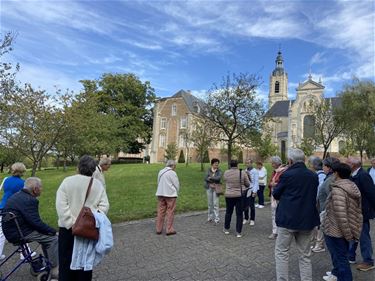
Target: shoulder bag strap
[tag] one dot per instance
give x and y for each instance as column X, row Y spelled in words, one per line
column 88, row 190
column 241, row 181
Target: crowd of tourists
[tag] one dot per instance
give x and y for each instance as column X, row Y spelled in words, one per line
column 326, row 204
column 71, row 257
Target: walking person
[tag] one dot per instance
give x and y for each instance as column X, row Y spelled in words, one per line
column 167, row 192
column 249, row 199
column 103, row 166
column 70, row 198
column 213, row 176
column 262, row 179
column 342, row 222
column 366, row 186
column 278, row 170
column 296, row 215
column 236, row 182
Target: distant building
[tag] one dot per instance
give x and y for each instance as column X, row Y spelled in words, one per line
column 291, row 121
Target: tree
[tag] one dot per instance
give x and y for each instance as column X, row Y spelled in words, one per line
column 233, row 108
column 263, row 145
column 308, row 147
column 129, row 100
column 328, row 125
column 7, row 71
column 358, row 112
column 203, row 137
column 171, row 151
column 181, row 158
column 348, row 148
column 33, row 123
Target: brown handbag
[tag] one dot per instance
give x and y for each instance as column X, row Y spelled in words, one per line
column 218, row 187
column 85, row 225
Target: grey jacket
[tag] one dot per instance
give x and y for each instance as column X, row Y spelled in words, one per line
column 212, row 177
column 324, row 191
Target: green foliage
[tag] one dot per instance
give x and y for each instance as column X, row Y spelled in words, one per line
column 358, row 113
column 181, row 158
column 234, row 109
column 206, row 158
column 263, row 146
column 240, row 157
column 348, row 148
column 171, row 151
column 307, row 146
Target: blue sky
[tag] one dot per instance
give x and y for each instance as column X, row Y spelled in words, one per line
column 190, row 44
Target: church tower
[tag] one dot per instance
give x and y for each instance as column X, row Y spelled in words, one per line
column 278, row 82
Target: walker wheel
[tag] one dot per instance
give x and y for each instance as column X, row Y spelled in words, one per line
column 44, row 276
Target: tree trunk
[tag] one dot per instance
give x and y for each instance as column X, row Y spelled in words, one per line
column 2, row 167
column 325, row 152
column 64, row 163
column 35, row 166
column 361, row 154
column 40, row 165
column 229, row 152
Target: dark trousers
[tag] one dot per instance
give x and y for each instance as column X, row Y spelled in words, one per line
column 231, row 203
column 249, row 205
column 66, row 242
column 260, row 193
column 364, row 243
column 338, row 248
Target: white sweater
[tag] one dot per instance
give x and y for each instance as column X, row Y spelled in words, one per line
column 71, row 195
column 168, row 184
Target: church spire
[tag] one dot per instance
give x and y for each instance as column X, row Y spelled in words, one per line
column 279, row 68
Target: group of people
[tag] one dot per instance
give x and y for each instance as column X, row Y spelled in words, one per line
column 71, row 258
column 327, row 204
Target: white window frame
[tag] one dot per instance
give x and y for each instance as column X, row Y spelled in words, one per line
column 163, row 123
column 174, row 109
column 162, row 140
column 183, row 122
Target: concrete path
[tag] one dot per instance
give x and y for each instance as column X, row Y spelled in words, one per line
column 199, row 251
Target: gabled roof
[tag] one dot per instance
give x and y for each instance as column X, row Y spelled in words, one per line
column 310, row 84
column 281, row 108
column 190, row 100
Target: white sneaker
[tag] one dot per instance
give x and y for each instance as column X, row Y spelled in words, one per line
column 256, row 205
column 318, row 249
column 328, row 273
column 244, row 222
column 238, row 235
column 261, row 206
column 252, row 223
column 33, row 254
column 226, row 231
column 2, row 257
column 330, row 278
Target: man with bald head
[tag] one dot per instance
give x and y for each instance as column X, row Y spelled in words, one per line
column 365, row 184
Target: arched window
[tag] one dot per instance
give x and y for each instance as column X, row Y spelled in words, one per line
column 277, row 87
column 308, row 126
column 342, row 145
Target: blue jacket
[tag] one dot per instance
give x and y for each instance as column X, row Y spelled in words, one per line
column 365, row 184
column 89, row 253
column 296, row 192
column 26, row 208
column 11, row 185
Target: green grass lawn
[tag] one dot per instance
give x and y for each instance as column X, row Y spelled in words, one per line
column 131, row 190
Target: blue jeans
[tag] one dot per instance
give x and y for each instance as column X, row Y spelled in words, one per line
column 364, row 243
column 338, row 248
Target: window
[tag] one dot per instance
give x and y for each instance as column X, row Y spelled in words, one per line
column 163, row 123
column 277, row 87
column 308, row 126
column 174, row 110
column 182, row 141
column 183, row 122
column 162, row 141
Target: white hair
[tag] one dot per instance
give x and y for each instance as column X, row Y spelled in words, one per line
column 170, row 163
column 32, row 182
column 105, row 161
column 296, row 155
column 276, row 159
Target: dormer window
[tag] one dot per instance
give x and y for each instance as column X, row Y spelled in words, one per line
column 277, row 87
column 174, row 110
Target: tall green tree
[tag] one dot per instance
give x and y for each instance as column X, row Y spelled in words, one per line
column 358, row 112
column 234, row 108
column 171, row 151
column 130, row 101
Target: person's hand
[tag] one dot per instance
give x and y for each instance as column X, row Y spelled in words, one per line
column 253, row 194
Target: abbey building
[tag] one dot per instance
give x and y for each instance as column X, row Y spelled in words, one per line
column 290, row 121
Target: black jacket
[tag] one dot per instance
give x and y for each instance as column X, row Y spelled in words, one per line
column 296, row 190
column 25, row 207
column 365, row 184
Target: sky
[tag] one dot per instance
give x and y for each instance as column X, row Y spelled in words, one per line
column 190, row 45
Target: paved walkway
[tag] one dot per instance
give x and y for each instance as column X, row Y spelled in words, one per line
column 199, row 251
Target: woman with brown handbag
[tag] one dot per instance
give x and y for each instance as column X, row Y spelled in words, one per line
column 70, row 198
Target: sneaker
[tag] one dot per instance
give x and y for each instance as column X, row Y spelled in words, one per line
column 272, row 236
column 365, row 266
column 256, row 205
column 238, row 235
column 252, row 223
column 352, row 261
column 330, row 278
column 328, row 273
column 2, row 257
column 318, row 249
column 217, row 222
column 244, row 222
column 226, row 231
column 261, row 206
column 33, row 254
column 209, row 220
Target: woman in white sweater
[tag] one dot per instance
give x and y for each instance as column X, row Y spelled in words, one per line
column 262, row 172
column 70, row 198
